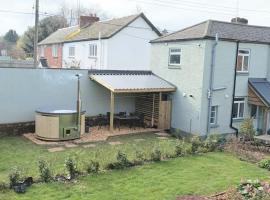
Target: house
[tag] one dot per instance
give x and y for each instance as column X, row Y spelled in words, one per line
column 222, row 73
column 117, row 44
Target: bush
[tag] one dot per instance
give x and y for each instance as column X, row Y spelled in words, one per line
column 265, row 163
column 156, row 155
column 14, row 177
column 122, row 162
column 93, row 167
column 44, row 171
column 3, row 186
column 71, row 167
column 195, row 144
column 253, row 189
column 211, row 142
column 140, row 158
column 247, row 130
column 180, row 149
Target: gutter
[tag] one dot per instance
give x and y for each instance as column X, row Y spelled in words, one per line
column 211, row 80
column 234, row 84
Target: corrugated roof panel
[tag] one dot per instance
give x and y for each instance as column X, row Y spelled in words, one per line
column 262, row 88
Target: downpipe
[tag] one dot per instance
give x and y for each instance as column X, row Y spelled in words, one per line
column 79, row 103
column 211, row 80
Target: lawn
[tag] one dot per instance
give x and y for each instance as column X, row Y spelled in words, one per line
column 201, row 174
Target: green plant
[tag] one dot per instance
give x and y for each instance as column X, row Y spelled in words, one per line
column 156, row 155
column 247, row 130
column 71, row 167
column 3, row 186
column 44, row 171
column 122, row 162
column 180, row 148
column 195, row 143
column 93, row 167
column 265, row 163
column 254, row 190
column 15, row 176
column 140, row 158
column 211, row 142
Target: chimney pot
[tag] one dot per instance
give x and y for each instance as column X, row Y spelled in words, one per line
column 88, row 20
column 239, row 20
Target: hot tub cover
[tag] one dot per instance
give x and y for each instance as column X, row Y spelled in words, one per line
column 57, row 111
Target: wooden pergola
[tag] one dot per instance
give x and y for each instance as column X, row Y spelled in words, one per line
column 133, row 88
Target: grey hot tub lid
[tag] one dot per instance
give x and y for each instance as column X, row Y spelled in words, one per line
column 54, row 111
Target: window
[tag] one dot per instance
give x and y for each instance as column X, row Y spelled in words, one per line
column 92, row 50
column 243, row 60
column 253, row 111
column 71, row 51
column 55, row 50
column 238, row 108
column 213, row 115
column 174, row 56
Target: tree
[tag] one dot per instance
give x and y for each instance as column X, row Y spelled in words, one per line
column 46, row 27
column 11, row 36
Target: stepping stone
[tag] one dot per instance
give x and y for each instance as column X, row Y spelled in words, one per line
column 139, row 140
column 56, row 149
column 162, row 138
column 115, row 143
column 70, row 145
column 89, row 146
column 162, row 134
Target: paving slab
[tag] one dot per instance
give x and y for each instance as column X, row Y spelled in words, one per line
column 89, row 146
column 56, row 149
column 70, row 145
column 115, row 143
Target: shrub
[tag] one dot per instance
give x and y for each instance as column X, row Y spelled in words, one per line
column 14, row 177
column 195, row 144
column 180, row 149
column 93, row 167
column 247, row 129
column 265, row 163
column 121, row 163
column 156, row 155
column 3, row 186
column 253, row 189
column 71, row 167
column 211, row 142
column 44, row 171
column 140, row 158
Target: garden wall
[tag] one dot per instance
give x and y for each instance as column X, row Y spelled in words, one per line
column 23, row 90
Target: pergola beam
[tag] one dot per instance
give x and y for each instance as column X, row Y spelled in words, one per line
column 112, row 111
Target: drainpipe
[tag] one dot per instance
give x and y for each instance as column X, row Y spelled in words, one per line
column 79, row 104
column 211, row 80
column 100, row 51
column 234, row 83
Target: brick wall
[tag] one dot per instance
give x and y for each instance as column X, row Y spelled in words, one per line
column 17, row 128
column 53, row 62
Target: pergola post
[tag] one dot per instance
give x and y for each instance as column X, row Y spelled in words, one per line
column 112, row 111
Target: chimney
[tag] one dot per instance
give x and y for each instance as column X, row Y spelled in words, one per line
column 239, row 20
column 88, row 20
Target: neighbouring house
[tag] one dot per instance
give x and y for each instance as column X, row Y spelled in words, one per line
column 222, row 73
column 117, row 44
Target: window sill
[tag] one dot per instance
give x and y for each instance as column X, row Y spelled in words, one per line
column 238, row 119
column 92, row 57
column 242, row 73
column 174, row 66
column 214, row 125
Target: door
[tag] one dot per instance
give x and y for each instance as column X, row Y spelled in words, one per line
column 165, row 108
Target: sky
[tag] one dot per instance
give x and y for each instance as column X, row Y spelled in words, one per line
column 170, row 14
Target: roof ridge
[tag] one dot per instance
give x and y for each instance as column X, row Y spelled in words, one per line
column 239, row 24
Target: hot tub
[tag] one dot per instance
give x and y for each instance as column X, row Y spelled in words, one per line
column 59, row 124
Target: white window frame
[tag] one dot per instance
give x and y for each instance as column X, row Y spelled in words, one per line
column 69, row 51
column 214, row 110
column 239, row 102
column 54, row 50
column 243, row 58
column 175, row 65
column 92, row 50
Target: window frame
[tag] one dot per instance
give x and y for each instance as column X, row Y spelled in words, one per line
column 71, row 56
column 55, row 51
column 243, row 59
column 174, row 65
column 95, row 49
column 215, row 111
column 239, row 102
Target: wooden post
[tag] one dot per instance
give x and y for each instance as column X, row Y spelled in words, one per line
column 265, row 120
column 112, row 111
column 153, row 111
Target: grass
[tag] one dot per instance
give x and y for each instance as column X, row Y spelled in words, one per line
column 205, row 174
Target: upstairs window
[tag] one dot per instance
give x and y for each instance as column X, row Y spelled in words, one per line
column 71, row 51
column 54, row 50
column 92, row 50
column 174, row 56
column 243, row 60
column 238, row 108
column 213, row 115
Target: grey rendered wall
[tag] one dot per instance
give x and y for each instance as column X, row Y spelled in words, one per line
column 186, row 101
column 22, row 91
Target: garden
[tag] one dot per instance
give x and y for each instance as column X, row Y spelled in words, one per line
column 141, row 166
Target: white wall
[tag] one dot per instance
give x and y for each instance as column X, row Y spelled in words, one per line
column 186, row 110
column 24, row 90
column 129, row 49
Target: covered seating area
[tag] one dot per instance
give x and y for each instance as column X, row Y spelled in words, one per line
column 150, row 94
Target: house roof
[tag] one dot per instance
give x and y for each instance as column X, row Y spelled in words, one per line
column 132, row 82
column 59, row 35
column 225, row 31
column 106, row 29
column 262, row 88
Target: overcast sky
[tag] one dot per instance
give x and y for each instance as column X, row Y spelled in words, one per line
column 170, row 14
